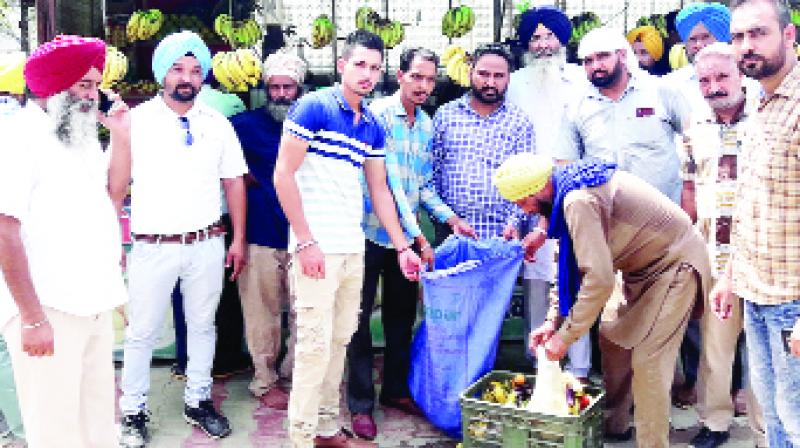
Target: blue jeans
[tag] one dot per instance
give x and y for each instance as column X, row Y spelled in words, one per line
column 774, row 373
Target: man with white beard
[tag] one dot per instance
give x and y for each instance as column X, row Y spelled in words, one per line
column 60, row 246
column 543, row 88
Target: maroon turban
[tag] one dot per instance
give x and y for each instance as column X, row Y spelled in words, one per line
column 56, row 65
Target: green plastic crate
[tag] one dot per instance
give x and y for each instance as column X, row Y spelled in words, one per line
column 492, row 425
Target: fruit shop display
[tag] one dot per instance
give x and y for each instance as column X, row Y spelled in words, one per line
column 582, row 24
column 323, row 31
column 517, row 393
column 391, row 32
column 456, row 62
column 116, row 67
column 143, row 25
column 237, row 70
column 458, row 21
column 238, row 34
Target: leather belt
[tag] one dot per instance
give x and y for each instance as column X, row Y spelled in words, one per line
column 213, row 230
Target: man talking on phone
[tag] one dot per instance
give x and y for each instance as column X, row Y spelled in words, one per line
column 60, row 246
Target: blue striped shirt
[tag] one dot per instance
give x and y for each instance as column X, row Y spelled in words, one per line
column 328, row 178
column 409, row 170
column 467, row 149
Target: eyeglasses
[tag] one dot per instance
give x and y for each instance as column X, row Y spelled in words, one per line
column 185, row 125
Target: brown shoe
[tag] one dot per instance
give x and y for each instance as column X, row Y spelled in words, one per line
column 275, row 398
column 406, row 405
column 739, row 402
column 342, row 439
column 684, row 397
column 364, row 426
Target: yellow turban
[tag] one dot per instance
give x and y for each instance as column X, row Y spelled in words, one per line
column 11, row 78
column 522, row 175
column 651, row 38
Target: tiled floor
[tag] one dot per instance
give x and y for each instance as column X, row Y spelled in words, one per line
column 256, row 426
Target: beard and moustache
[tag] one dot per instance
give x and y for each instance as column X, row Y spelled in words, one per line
column 545, row 64
column 278, row 109
column 609, row 79
column 758, row 66
column 187, row 97
column 75, row 119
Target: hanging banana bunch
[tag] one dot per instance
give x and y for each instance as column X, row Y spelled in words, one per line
column 143, row 25
column 322, row 31
column 456, row 62
column 115, row 69
column 237, row 70
column 458, row 21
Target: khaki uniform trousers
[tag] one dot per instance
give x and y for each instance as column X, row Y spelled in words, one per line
column 642, row 375
column 327, row 316
column 67, row 399
column 264, row 290
column 714, row 403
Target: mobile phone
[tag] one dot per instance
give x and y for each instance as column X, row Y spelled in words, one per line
column 787, row 334
column 105, row 103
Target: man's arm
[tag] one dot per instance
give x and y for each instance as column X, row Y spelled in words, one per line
column 384, row 206
column 291, row 153
column 688, row 201
column 594, row 262
column 118, row 123
column 237, row 209
column 37, row 334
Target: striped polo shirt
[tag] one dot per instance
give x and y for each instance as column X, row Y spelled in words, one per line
column 328, row 178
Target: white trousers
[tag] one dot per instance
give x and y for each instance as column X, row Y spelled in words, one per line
column 67, row 400
column 153, row 270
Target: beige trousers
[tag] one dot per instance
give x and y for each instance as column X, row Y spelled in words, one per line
column 647, row 369
column 263, row 290
column 327, row 316
column 67, row 400
column 714, row 403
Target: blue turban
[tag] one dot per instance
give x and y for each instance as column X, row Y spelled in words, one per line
column 176, row 46
column 715, row 16
column 551, row 17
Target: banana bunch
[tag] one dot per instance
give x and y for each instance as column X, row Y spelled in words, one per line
column 116, row 67
column 391, row 32
column 237, row 34
column 677, row 56
column 237, row 70
column 456, row 62
column 656, row 20
column 457, row 22
column 322, row 31
column 582, row 24
column 366, row 18
column 795, row 16
column 144, row 24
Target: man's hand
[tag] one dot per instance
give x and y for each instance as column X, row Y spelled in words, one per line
column 38, row 341
column 531, row 243
column 237, row 256
column 425, row 251
column 461, row 227
column 555, row 347
column 794, row 344
column 312, row 261
column 510, row 232
column 541, row 335
column 410, row 264
column 118, row 119
column 721, row 299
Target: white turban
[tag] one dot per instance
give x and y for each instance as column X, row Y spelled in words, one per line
column 284, row 64
column 605, row 39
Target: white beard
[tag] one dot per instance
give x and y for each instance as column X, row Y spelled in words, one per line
column 547, row 68
column 74, row 128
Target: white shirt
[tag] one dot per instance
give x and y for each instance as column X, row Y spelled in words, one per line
column 545, row 106
column 69, row 229
column 176, row 186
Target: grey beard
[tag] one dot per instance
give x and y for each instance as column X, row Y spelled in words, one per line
column 74, row 128
column 278, row 111
column 546, row 67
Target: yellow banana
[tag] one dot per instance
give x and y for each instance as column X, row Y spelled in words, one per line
column 132, row 28
column 452, row 67
column 463, row 74
column 450, row 52
column 250, row 65
column 220, row 70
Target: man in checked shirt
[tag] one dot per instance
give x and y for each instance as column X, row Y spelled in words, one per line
column 471, row 136
column 765, row 267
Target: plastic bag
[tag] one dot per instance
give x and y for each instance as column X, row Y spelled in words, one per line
column 465, row 300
